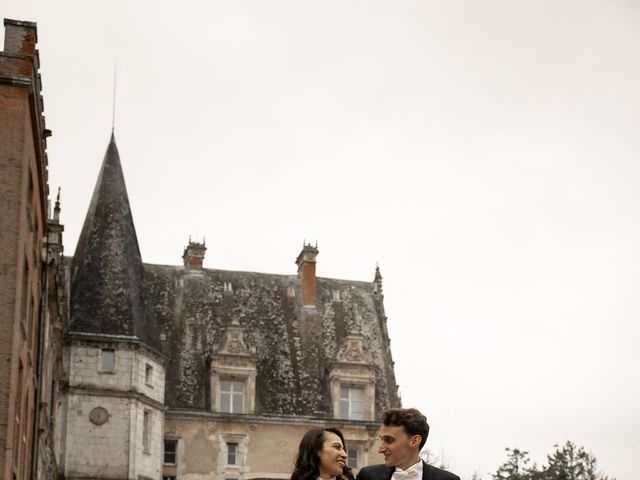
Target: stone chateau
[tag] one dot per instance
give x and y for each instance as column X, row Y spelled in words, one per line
column 116, row 369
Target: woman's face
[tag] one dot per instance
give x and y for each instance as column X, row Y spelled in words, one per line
column 333, row 458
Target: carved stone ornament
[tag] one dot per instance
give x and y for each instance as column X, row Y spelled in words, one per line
column 99, row 416
column 234, row 344
column 353, row 351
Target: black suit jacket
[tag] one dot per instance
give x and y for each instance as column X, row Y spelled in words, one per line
column 382, row 472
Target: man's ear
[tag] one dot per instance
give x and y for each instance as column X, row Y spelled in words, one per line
column 415, row 440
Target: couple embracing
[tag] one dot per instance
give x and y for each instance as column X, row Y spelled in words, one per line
column 322, row 453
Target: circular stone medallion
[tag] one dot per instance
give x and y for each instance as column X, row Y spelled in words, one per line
column 99, row 416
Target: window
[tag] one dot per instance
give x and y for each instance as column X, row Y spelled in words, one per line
column 146, row 432
column 170, row 452
column 351, row 400
column 108, row 360
column 148, row 374
column 352, row 457
column 232, row 453
column 231, row 396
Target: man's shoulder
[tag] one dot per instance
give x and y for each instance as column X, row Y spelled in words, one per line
column 435, row 473
column 374, row 471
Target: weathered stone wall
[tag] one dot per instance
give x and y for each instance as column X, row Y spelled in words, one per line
column 267, row 446
column 114, row 446
column 97, row 450
column 128, row 375
column 147, row 463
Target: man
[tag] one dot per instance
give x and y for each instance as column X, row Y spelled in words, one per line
column 403, row 433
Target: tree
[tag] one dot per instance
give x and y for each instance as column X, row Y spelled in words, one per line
column 516, row 467
column 569, row 462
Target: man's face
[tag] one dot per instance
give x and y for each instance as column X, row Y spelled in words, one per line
column 399, row 448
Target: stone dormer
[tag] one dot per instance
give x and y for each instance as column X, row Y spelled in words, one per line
column 352, row 381
column 233, row 374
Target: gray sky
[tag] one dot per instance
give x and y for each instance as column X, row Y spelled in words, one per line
column 485, row 153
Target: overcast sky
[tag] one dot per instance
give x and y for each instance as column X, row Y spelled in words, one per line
column 485, row 153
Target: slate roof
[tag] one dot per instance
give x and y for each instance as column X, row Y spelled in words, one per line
column 107, row 276
column 294, row 345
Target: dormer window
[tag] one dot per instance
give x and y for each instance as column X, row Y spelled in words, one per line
column 351, row 402
column 232, row 396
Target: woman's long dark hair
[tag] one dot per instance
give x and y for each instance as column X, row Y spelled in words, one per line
column 307, row 465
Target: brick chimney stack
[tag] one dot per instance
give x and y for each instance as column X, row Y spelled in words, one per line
column 306, row 262
column 20, row 37
column 193, row 255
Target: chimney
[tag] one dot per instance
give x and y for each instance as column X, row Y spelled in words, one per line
column 20, row 37
column 306, row 262
column 194, row 255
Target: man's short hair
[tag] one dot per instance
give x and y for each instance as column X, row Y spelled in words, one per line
column 414, row 422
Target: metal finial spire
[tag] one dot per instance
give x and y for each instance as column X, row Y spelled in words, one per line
column 113, row 115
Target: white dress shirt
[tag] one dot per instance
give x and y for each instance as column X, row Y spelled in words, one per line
column 414, row 472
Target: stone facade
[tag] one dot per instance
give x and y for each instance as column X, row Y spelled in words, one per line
column 267, row 445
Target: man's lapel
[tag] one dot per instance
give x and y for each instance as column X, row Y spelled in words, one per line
column 388, row 473
column 424, row 471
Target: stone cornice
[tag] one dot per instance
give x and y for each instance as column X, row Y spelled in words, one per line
column 198, row 415
column 123, row 341
column 113, row 393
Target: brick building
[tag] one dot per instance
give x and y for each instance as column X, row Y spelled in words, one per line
column 29, row 265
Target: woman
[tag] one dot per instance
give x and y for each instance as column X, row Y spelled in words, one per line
column 322, row 455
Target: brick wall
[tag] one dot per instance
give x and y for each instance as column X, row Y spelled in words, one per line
column 22, row 227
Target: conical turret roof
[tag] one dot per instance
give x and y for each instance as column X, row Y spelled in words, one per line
column 108, row 294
